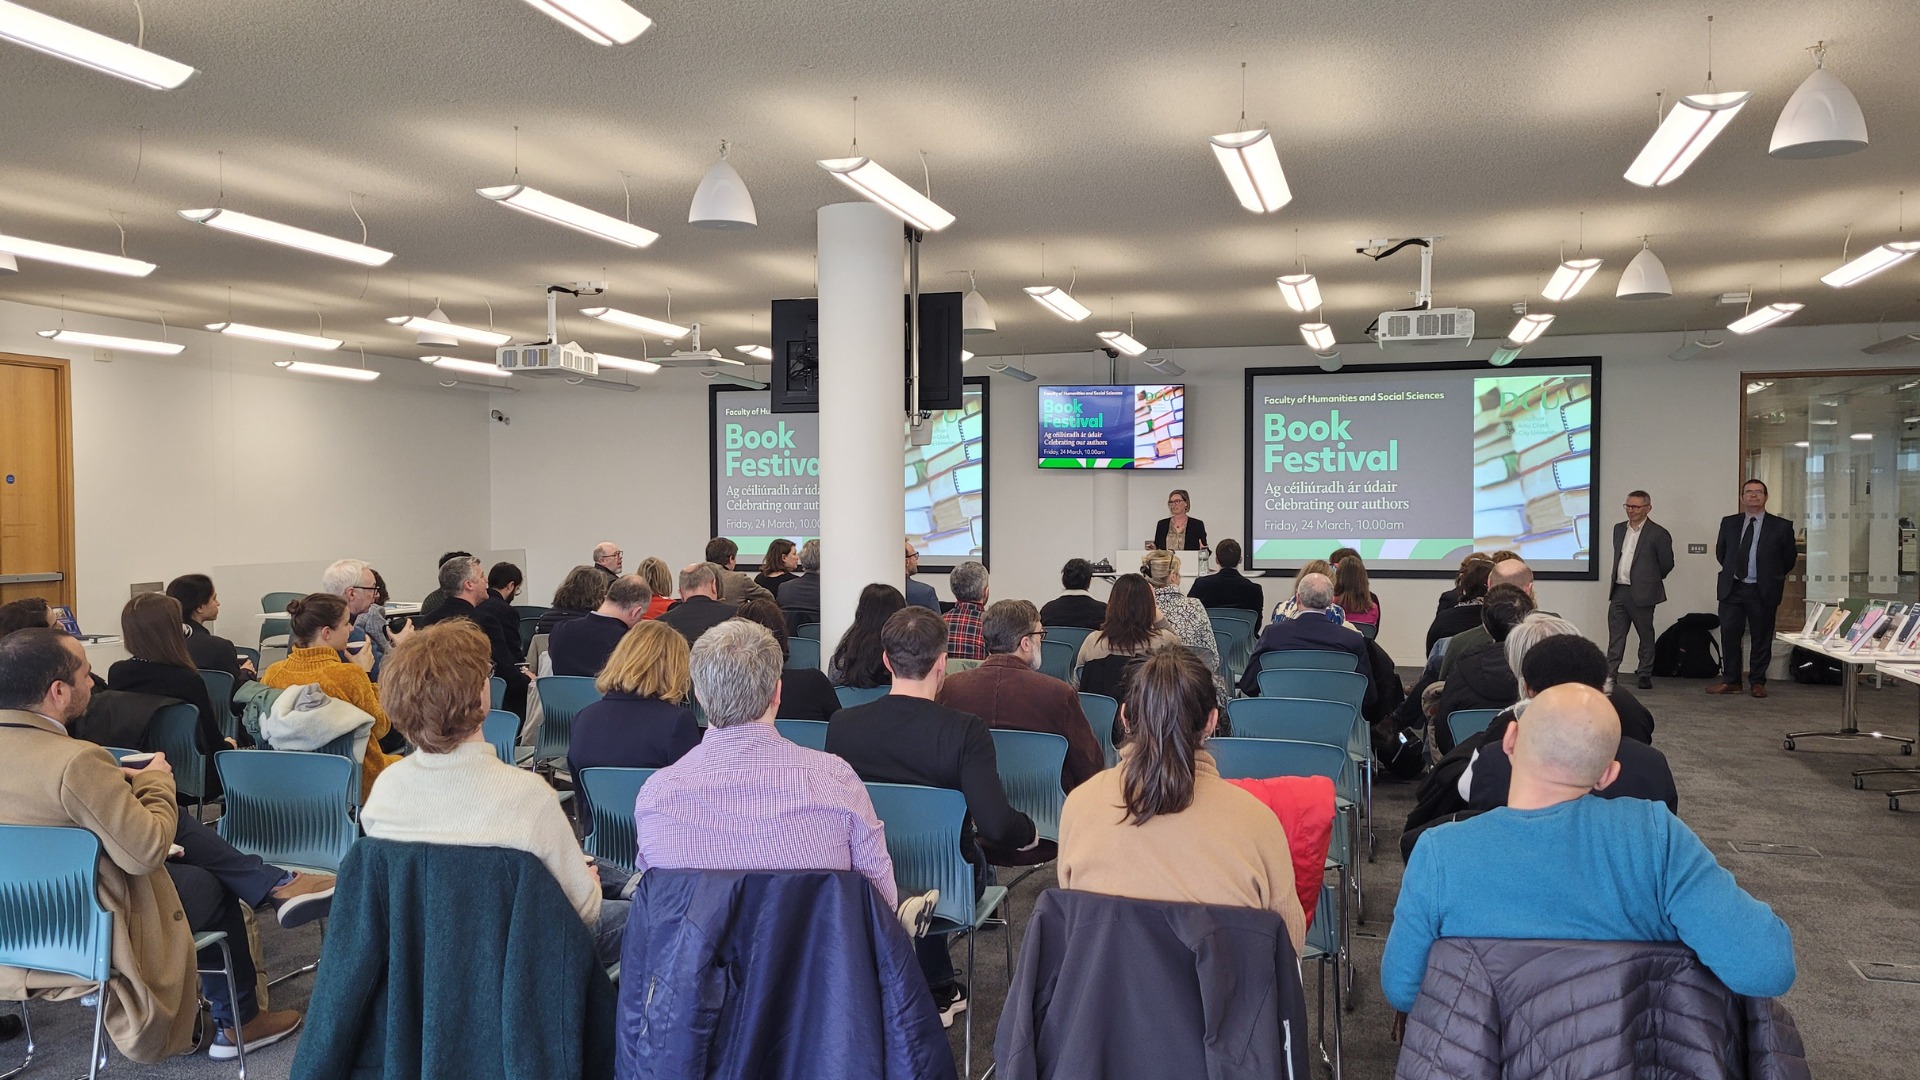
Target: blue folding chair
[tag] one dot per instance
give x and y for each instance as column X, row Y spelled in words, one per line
column 1057, row 658
column 1302, row 720
column 1102, row 713
column 277, row 624
column 810, row 631
column 561, row 696
column 1464, row 722
column 923, row 827
column 220, row 692
column 850, row 695
column 811, row 734
column 174, row 731
column 1029, row 764
column 1322, row 683
column 1324, row 949
column 1368, row 630
column 610, row 794
column 1329, row 659
column 803, row 653
column 496, row 692
column 502, row 729
column 1075, row 636
column 1246, row 623
column 342, row 747
column 1228, row 643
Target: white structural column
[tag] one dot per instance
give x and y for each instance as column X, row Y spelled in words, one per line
column 862, row 391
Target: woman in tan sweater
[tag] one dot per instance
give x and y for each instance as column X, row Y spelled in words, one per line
column 1162, row 825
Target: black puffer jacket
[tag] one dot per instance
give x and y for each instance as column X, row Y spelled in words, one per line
column 1541, row 1010
column 1480, row 680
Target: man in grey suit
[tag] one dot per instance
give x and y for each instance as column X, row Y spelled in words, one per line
column 1642, row 559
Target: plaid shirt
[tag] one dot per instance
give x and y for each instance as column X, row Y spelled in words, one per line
column 747, row 799
column 963, row 632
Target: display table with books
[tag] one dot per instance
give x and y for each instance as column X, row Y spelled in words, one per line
column 1907, row 670
column 1863, row 636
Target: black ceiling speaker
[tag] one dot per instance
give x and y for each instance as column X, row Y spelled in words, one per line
column 796, row 356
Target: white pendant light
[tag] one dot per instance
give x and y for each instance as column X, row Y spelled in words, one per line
column 626, row 363
column 1503, row 356
column 44, row 33
column 78, row 257
column 452, row 330
column 1690, row 349
column 1122, row 342
column 865, row 176
column 291, row 236
column 332, row 370
column 1252, row 165
column 7, row 263
column 1645, row 277
column 1822, row 118
column 758, row 352
column 1569, row 278
column 1330, row 361
column 603, row 22
column 976, row 315
column 660, row 327
column 1689, row 128
column 574, row 216
column 1529, row 328
column 278, row 337
column 965, row 356
column 471, row 367
column 1059, row 301
column 1764, row 317
column 1884, row 257
column 111, row 341
column 1300, row 291
column 434, row 337
column 1318, row 336
column 1012, row 372
column 722, row 200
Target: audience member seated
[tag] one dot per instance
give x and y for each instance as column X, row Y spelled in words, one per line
column 453, row 789
column 777, row 566
column 158, row 663
column 1227, row 587
column 907, row 738
column 919, row 594
column 580, row 592
column 659, row 578
column 639, row 722
column 52, row 780
column 736, row 587
column 800, row 597
column 857, row 661
column 969, row 584
column 352, row 581
column 1452, row 596
column 805, row 692
column 320, row 629
column 1184, row 615
column 700, row 608
column 200, row 605
column 504, row 584
column 1557, row 863
column 1483, row 679
column 747, row 799
column 1075, row 606
column 1163, row 825
column 29, row 613
column 1464, row 613
column 581, row 646
column 1312, row 625
column 1009, row 692
column 465, row 588
column 1503, row 572
column 1353, row 593
column 1131, row 630
column 439, row 594
column 608, row 559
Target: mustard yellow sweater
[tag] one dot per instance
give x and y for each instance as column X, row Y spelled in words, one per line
column 346, row 682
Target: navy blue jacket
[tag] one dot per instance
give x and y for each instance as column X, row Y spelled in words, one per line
column 1308, row 632
column 626, row 731
column 796, row 974
column 581, row 646
column 920, row 594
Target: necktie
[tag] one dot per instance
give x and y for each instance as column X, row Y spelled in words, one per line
column 1745, row 552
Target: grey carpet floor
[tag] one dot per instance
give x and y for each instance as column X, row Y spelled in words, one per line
column 1851, row 894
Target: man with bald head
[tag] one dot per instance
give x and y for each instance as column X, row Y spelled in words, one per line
column 608, row 559
column 1311, row 626
column 1505, row 572
column 1559, row 863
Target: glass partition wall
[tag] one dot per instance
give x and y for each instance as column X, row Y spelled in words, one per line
column 1840, row 452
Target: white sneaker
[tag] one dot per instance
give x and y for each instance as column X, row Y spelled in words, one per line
column 916, row 913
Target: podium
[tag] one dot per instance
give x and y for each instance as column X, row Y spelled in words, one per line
column 1127, row 561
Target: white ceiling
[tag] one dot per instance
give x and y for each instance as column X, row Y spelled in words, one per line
column 1082, row 125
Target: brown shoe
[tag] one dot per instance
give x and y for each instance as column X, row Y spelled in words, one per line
column 300, row 901
column 1724, row 688
column 265, row 1029
column 1759, row 689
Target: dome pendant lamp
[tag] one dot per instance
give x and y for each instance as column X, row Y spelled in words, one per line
column 722, row 201
column 1822, row 118
column 1645, row 277
column 976, row 316
column 433, row 337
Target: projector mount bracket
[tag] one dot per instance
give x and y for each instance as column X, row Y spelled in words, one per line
column 1380, row 249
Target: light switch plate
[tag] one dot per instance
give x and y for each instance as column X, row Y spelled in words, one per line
column 1696, row 549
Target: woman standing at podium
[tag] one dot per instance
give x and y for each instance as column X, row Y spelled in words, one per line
column 1178, row 532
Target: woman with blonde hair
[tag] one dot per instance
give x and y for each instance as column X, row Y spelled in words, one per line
column 659, row 577
column 1184, row 615
column 639, row 721
column 320, row 628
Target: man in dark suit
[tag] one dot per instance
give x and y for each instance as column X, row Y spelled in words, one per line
column 1076, row 606
column 700, row 608
column 581, row 646
column 1227, row 587
column 1642, row 559
column 1310, row 627
column 1756, row 552
column 464, row 588
column 800, row 596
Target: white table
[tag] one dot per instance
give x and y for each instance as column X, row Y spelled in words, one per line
column 1907, row 670
column 1852, row 665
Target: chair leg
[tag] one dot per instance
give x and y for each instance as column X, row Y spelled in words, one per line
column 967, row 1057
column 233, row 1006
column 98, row 1059
column 1339, row 1035
column 27, row 1022
column 297, row 972
column 1372, row 838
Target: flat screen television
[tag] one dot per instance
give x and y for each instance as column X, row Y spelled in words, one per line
column 1141, row 426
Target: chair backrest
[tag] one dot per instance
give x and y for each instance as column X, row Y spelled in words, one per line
column 811, row 734
column 1465, row 722
column 342, row 747
column 50, row 915
column 1029, row 764
column 529, row 624
column 1326, row 659
column 1227, row 641
column 1057, row 658
column 955, row 665
column 1075, row 636
column 1102, row 713
column 496, row 691
column 530, row 611
column 502, row 729
column 278, row 623
column 288, row 807
column 1258, row 759
column 803, row 653
column 1297, row 719
column 220, row 692
column 1240, row 624
column 610, row 794
column 561, row 696
column 1347, row 686
column 1368, row 630
column 851, row 695
column 172, row 732
column 275, row 603
column 1438, row 653
column 923, row 840
column 808, row 630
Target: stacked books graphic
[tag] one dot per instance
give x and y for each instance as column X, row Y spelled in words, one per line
column 1159, row 426
column 946, row 484
column 1533, row 466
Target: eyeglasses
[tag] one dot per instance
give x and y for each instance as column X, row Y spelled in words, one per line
column 1040, row 633
column 364, row 588
column 1638, row 506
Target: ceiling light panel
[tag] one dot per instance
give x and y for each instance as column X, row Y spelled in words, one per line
column 1122, row 342
column 278, row 337
column 603, row 22
column 471, row 367
column 1300, row 291
column 330, row 370
column 758, row 352
column 1689, row 128
column 452, row 330
column 44, row 33
column 1762, row 318
column 273, row 232
column 1056, row 300
column 626, row 363
column 547, row 207
column 1529, row 328
column 660, row 327
column 1252, row 165
column 1884, row 257
column 866, row 176
column 111, row 341
column 76, row 257
column 1569, row 278
column 1318, row 336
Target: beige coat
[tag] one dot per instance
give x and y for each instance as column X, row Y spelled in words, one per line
column 51, row 779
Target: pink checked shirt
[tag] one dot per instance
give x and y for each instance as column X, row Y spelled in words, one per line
column 747, row 799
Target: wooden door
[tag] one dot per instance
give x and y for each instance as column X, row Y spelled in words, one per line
column 36, row 481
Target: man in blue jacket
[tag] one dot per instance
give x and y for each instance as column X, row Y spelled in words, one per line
column 1312, row 626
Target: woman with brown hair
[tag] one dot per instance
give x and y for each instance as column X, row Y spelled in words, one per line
column 582, row 590
column 1162, row 825
column 320, row 628
column 1353, row 592
column 1133, row 628
column 154, row 631
column 781, row 565
column 638, row 723
column 805, row 693
column 659, row 577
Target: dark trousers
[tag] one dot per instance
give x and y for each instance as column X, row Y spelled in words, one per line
column 936, row 963
column 1745, row 611
column 211, row 906
column 246, row 876
column 1622, row 614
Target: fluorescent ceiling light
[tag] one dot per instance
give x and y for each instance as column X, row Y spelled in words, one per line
column 471, row 367
column 1763, row 318
column 1884, row 257
column 1124, row 342
column 109, row 341
column 292, row 236
column 1694, row 348
column 1569, row 278
column 483, row 388
column 603, row 22
column 1861, row 436
column 1690, row 127
column 1803, row 445
column 1754, row 388
column 1056, row 299
column 278, row 337
column 623, row 363
column 734, row 380
column 667, row 330
column 1252, row 166
column 80, row 257
column 334, row 370
column 49, row 35
column 1890, row 345
column 965, row 356
column 574, row 216
column 1503, row 356
column 1012, row 372
column 452, row 330
column 1166, row 366
column 1529, row 328
column 758, row 352
column 1318, row 335
column 865, row 176
column 1734, row 299
column 1300, row 291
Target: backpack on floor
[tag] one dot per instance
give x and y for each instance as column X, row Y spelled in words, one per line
column 1819, row 669
column 1687, row 650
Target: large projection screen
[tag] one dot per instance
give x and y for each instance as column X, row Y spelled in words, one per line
column 1416, row 465
column 765, row 477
